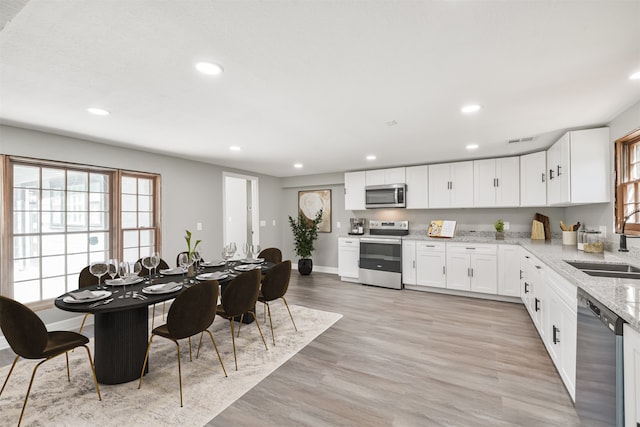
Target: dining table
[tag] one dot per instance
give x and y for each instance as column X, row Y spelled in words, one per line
column 121, row 326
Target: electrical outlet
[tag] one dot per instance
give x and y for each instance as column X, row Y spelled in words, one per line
column 273, row 222
column 199, row 226
column 506, row 225
column 263, row 223
column 603, row 230
column 338, row 225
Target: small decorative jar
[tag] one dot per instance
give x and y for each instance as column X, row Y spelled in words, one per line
column 594, row 243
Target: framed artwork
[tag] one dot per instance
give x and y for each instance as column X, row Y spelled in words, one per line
column 310, row 202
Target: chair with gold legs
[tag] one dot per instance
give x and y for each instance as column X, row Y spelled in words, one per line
column 29, row 339
column 240, row 297
column 273, row 255
column 86, row 279
column 274, row 285
column 145, row 272
column 191, row 313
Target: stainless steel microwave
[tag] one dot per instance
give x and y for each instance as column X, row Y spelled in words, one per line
column 385, row 196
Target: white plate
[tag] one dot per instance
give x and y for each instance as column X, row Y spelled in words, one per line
column 216, row 263
column 247, row 267
column 252, row 260
column 123, row 282
column 173, row 271
column 212, row 276
column 98, row 296
column 157, row 289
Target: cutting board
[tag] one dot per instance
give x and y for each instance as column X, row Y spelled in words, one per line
column 545, row 223
column 537, row 230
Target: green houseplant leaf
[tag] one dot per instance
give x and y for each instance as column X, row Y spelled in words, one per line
column 305, row 232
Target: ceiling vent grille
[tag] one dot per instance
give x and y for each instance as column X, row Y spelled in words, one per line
column 525, row 139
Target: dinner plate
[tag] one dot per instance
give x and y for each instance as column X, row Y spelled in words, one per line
column 123, row 282
column 212, row 276
column 215, row 263
column 173, row 271
column 252, row 260
column 247, row 267
column 157, row 289
column 98, row 296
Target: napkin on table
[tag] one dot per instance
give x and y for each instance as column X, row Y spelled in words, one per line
column 211, row 276
column 82, row 295
column 166, row 287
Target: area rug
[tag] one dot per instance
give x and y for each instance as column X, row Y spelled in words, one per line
column 206, row 392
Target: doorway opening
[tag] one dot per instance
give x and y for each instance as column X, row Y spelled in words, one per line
column 240, row 210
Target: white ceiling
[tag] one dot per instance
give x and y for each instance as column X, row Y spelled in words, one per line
column 316, row 82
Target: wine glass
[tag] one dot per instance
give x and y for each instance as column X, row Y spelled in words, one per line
column 255, row 249
column 155, row 257
column 246, row 248
column 196, row 260
column 137, row 269
column 227, row 253
column 113, row 267
column 147, row 262
column 99, row 269
column 125, row 274
column 183, row 261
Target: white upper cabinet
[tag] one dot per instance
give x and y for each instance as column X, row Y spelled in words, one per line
column 451, row 185
column 533, row 179
column 496, row 182
column 417, row 187
column 578, row 168
column 385, row 176
column 354, row 197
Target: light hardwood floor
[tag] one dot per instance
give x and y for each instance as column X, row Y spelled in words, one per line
column 408, row 358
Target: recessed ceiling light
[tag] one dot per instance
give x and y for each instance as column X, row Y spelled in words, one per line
column 471, row 146
column 371, row 157
column 298, row 165
column 470, row 108
column 98, row 111
column 635, row 76
column 234, row 148
column 209, row 68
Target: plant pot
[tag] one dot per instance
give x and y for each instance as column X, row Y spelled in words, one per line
column 305, row 265
column 499, row 235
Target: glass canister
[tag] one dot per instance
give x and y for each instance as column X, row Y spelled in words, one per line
column 594, row 243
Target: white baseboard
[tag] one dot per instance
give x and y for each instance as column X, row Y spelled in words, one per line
column 71, row 324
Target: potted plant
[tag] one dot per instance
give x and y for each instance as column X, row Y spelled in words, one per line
column 190, row 253
column 499, row 226
column 305, row 232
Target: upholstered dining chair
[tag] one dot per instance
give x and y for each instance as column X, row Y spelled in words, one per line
column 274, row 285
column 240, row 297
column 273, row 255
column 192, row 312
column 86, row 279
column 28, row 337
column 145, row 272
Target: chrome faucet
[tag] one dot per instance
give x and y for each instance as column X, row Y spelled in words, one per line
column 623, row 238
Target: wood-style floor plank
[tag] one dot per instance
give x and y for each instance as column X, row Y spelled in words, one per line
column 408, row 358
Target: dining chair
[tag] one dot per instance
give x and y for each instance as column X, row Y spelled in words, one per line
column 86, row 279
column 145, row 272
column 274, row 285
column 273, row 255
column 28, row 338
column 238, row 298
column 192, row 312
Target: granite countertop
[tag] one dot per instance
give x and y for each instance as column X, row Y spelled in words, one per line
column 622, row 296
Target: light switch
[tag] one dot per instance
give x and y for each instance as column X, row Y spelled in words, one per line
column 506, row 225
column 338, row 225
column 199, row 226
column 263, row 223
column 273, row 223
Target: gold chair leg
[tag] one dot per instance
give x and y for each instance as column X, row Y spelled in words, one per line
column 179, row 373
column 84, row 319
column 199, row 344
column 273, row 337
column 9, row 374
column 93, row 371
column 153, row 316
column 255, row 318
column 287, row 305
column 217, row 352
column 190, row 359
column 146, row 358
column 240, row 324
column 233, row 340
column 24, row 405
column 66, row 355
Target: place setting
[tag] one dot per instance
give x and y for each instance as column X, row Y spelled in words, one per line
column 162, row 288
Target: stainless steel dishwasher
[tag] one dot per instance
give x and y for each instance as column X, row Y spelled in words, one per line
column 599, row 364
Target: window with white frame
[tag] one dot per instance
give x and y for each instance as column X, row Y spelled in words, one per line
column 138, row 219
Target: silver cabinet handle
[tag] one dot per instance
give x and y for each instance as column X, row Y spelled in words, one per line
column 444, row 270
column 542, row 176
column 472, row 272
column 414, row 263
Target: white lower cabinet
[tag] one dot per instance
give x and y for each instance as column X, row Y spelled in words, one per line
column 562, row 328
column 409, row 262
column 348, row 258
column 631, row 377
column 533, row 291
column 472, row 267
column 431, row 264
column 509, row 270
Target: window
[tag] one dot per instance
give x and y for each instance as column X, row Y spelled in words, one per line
column 61, row 217
column 628, row 183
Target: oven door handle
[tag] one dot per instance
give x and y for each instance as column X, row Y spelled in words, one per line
column 384, row 241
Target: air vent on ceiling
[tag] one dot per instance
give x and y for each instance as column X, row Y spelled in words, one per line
column 525, row 139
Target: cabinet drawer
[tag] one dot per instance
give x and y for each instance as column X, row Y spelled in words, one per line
column 349, row 242
column 565, row 290
column 430, row 246
column 472, row 248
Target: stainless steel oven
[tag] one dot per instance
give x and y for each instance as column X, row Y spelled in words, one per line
column 381, row 254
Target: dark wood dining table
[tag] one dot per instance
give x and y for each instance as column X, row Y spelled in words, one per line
column 121, row 327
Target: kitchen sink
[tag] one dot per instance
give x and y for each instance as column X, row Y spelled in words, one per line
column 614, row 270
